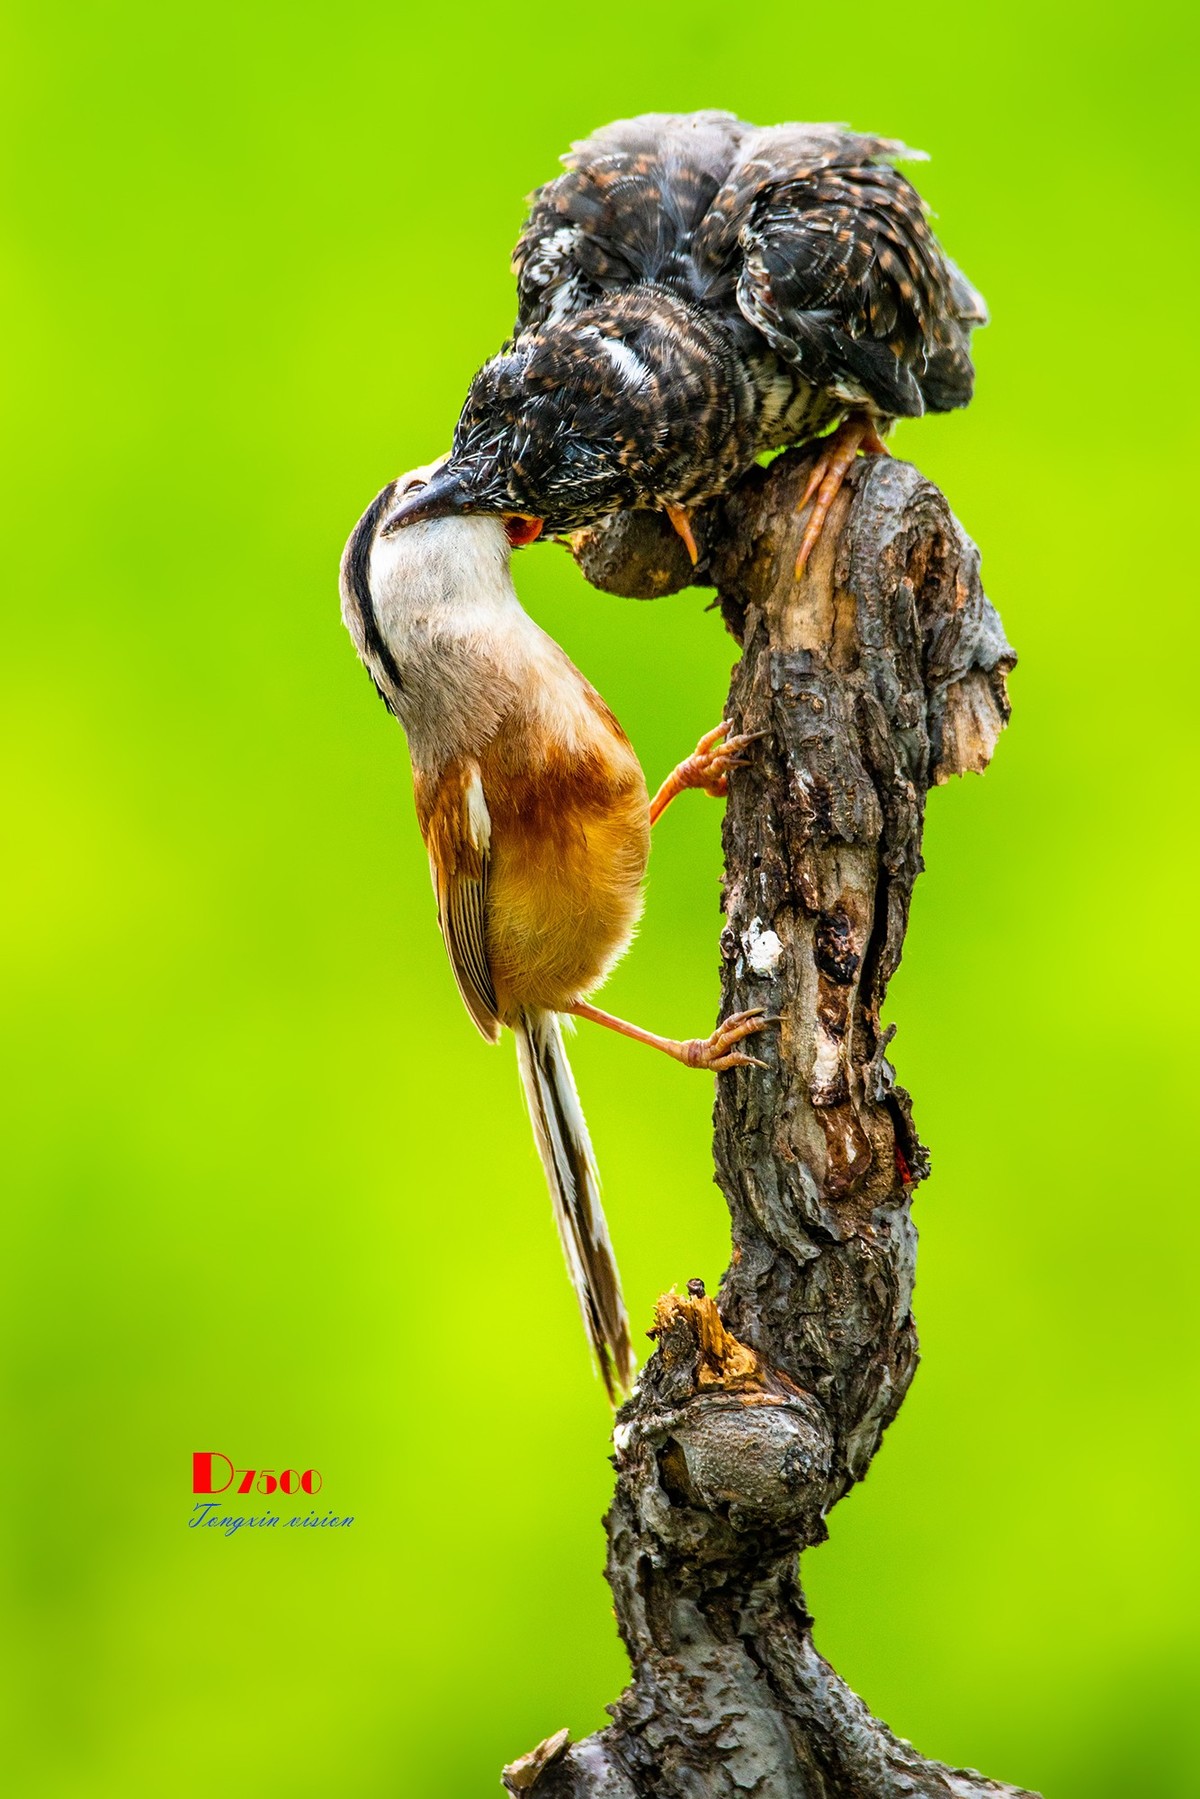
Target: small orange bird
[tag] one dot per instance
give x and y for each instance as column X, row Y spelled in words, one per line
column 536, row 817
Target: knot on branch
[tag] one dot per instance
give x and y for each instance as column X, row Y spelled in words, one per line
column 721, row 1454
column 640, row 555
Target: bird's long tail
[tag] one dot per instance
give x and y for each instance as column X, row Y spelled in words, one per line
column 566, row 1152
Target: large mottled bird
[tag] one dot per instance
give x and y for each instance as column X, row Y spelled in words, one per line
column 695, row 291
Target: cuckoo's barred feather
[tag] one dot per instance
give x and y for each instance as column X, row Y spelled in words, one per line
column 692, row 291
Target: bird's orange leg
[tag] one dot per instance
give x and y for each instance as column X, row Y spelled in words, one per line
column 707, row 767
column 829, row 471
column 717, row 1052
column 683, row 525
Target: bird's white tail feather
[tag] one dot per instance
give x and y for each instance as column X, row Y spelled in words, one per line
column 566, row 1152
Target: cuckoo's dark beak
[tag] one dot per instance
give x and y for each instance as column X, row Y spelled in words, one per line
column 442, row 495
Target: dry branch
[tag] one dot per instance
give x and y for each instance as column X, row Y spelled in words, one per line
column 879, row 674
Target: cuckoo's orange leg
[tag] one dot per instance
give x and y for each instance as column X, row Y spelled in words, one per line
column 838, row 451
column 683, row 525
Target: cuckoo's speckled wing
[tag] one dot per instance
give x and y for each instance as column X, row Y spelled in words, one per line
column 634, row 195
column 807, row 233
column 843, row 276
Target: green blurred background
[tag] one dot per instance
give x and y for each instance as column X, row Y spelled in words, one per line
column 271, row 1195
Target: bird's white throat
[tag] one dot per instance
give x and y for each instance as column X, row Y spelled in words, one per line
column 446, row 567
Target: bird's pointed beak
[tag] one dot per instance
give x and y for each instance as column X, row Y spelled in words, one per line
column 442, row 495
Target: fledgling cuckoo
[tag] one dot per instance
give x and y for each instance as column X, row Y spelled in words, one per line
column 695, row 291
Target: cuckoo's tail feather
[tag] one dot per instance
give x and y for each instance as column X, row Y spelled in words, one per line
column 566, row 1152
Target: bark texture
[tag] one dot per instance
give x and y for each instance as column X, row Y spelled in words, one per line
column 877, row 674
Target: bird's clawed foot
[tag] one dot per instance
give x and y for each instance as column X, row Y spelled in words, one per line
column 718, row 1052
column 707, row 767
column 714, row 756
column 828, row 472
column 710, row 762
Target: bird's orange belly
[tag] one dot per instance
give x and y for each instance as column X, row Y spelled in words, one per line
column 563, row 901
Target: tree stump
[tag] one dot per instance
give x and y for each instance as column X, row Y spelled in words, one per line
column 877, row 674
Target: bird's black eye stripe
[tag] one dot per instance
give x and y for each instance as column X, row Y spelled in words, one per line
column 358, row 587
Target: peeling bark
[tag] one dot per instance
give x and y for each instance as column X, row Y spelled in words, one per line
column 877, row 675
